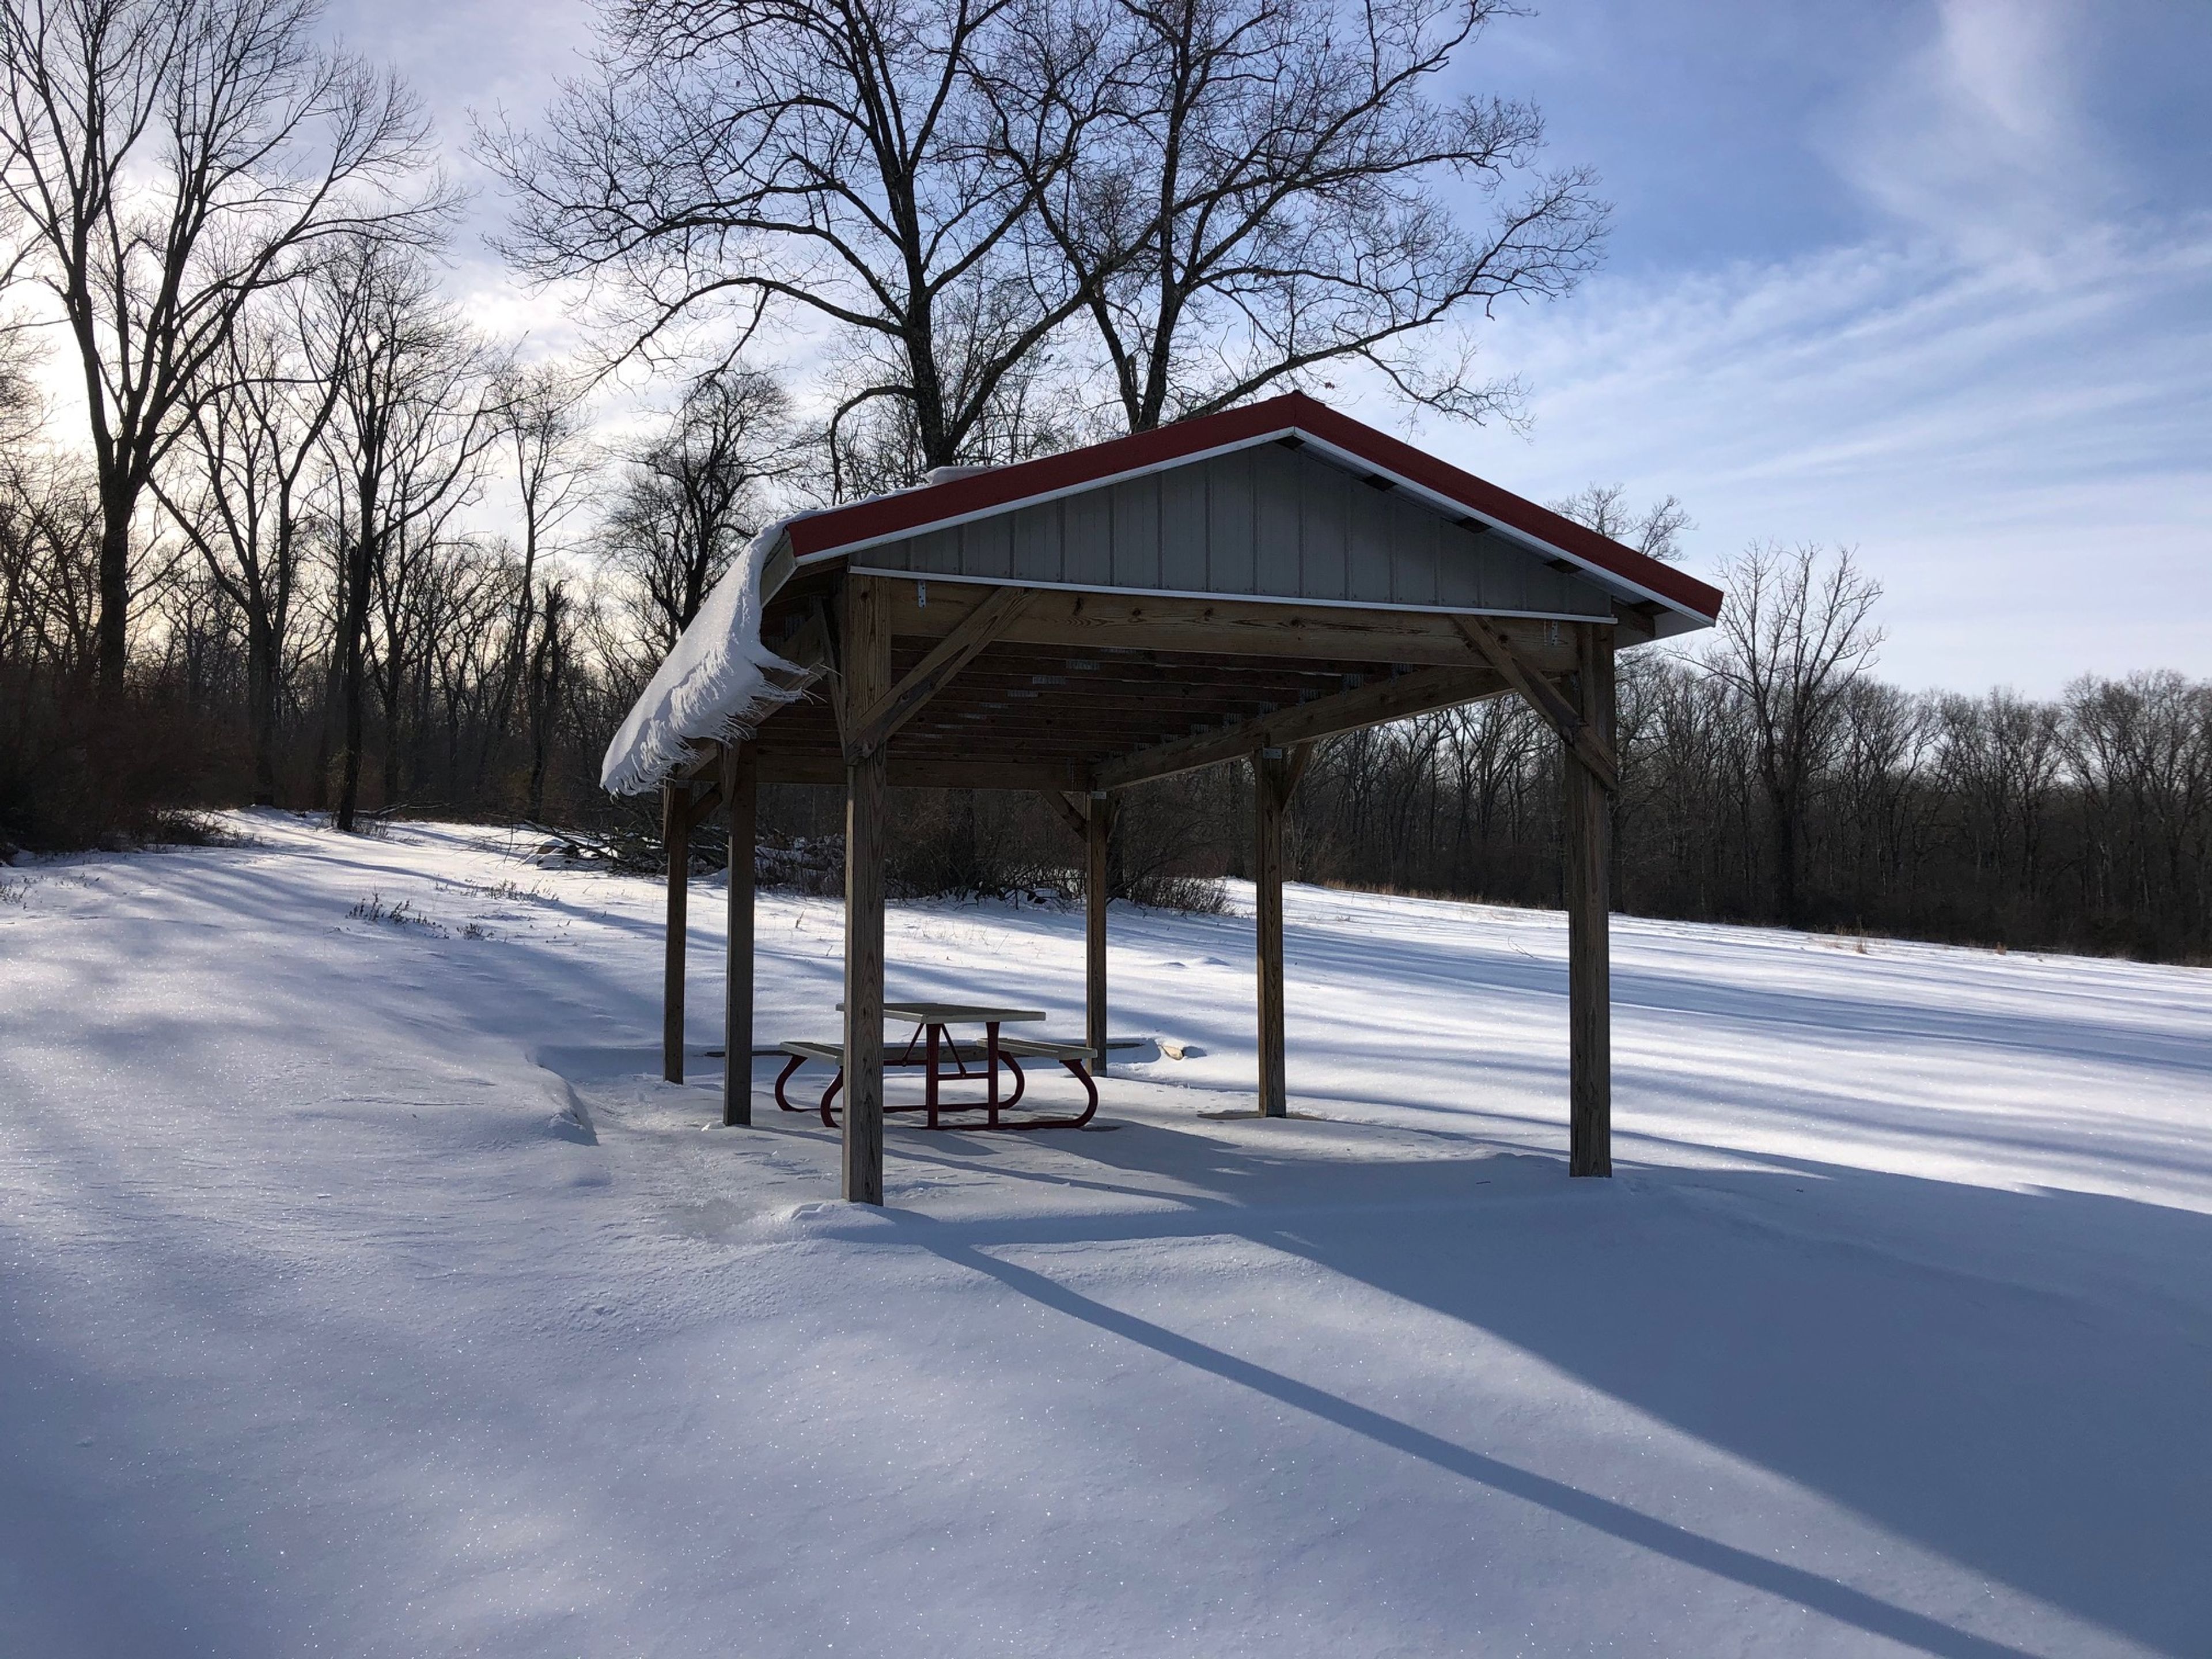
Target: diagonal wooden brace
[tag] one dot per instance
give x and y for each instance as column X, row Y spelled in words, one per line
column 874, row 726
column 1077, row 818
column 1540, row 695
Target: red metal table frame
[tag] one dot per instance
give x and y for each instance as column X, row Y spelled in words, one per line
column 933, row 1036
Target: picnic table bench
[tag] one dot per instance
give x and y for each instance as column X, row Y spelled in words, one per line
column 928, row 1048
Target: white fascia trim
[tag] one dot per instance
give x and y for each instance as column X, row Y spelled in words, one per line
column 927, row 576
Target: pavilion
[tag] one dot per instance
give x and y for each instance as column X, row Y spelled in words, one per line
column 1232, row 588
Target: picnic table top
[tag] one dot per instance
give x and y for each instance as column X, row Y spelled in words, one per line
column 947, row 1013
column 958, row 1013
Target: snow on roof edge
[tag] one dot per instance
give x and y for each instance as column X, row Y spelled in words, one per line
column 712, row 688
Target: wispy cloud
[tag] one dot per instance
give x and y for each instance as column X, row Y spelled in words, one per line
column 1978, row 139
column 2001, row 396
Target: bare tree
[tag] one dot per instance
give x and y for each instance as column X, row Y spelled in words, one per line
column 2141, row 751
column 1880, row 802
column 1245, row 192
column 239, row 487
column 427, row 583
column 1796, row 633
column 49, row 569
column 549, row 661
column 692, row 498
column 459, row 612
column 413, row 416
column 2000, row 754
column 1655, row 531
column 542, row 432
column 831, row 158
column 169, row 161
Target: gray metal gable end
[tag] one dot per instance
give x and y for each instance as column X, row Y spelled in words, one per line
column 1266, row 521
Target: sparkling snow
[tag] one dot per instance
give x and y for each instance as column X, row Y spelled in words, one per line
column 362, row 1291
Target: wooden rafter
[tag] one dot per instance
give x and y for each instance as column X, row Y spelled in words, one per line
column 1371, row 704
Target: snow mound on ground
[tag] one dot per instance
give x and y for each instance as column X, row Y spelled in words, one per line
column 571, row 1118
column 712, row 688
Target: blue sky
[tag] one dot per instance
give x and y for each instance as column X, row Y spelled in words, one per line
column 1928, row 278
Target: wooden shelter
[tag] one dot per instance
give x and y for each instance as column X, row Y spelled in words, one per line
column 1233, row 588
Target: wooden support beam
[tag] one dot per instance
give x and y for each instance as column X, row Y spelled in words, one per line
column 974, row 630
column 740, row 802
column 867, row 673
column 779, row 765
column 1540, row 695
column 1370, row 704
column 829, row 617
column 701, row 805
column 811, row 649
column 1070, row 814
column 1108, row 620
column 1098, row 832
column 1271, row 794
column 676, row 837
column 1636, row 624
column 1588, row 858
column 1301, row 757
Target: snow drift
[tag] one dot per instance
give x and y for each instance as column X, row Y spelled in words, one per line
column 713, row 688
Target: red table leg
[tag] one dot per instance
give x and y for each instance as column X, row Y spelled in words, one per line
column 784, row 1077
column 929, row 1084
column 991, row 1060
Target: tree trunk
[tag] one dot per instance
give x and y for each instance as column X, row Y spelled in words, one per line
column 543, row 697
column 1785, row 857
column 111, row 633
column 261, row 697
column 356, row 625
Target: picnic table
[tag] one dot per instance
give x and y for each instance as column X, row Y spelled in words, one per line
column 932, row 1046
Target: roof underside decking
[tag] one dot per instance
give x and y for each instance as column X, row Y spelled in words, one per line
column 1091, row 690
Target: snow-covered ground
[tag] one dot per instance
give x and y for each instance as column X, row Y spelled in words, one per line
column 362, row 1291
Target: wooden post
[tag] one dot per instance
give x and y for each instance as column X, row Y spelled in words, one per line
column 676, row 837
column 739, row 807
column 1097, row 829
column 1271, row 779
column 868, row 680
column 1589, row 816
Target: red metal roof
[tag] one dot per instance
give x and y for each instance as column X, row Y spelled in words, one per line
column 887, row 517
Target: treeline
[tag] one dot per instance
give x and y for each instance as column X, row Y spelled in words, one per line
column 2082, row 823
column 1769, row 777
